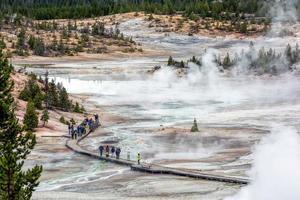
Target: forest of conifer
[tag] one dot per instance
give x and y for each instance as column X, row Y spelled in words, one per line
column 45, row 9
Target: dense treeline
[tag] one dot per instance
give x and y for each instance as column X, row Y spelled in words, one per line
column 251, row 61
column 45, row 94
column 54, row 9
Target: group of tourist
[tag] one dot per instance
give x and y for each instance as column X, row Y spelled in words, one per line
column 90, row 124
column 84, row 127
column 113, row 151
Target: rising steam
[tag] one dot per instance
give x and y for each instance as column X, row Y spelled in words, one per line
column 275, row 172
column 284, row 11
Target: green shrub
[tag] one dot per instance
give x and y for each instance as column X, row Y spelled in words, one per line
column 72, row 121
column 62, row 120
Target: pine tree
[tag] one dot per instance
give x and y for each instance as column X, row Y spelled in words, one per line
column 182, row 65
column 288, row 53
column 52, row 96
column 64, row 101
column 227, row 62
column 45, row 116
column 15, row 182
column 170, row 61
column 39, row 47
column 62, row 120
column 21, row 50
column 195, row 126
column 77, row 108
column 32, row 92
column 21, row 39
column 38, row 100
column 30, row 118
column 31, row 42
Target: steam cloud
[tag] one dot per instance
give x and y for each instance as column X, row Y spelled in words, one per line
column 284, row 10
column 275, row 172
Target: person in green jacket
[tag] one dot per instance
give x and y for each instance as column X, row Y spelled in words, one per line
column 139, row 158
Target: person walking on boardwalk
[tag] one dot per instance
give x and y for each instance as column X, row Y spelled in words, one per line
column 72, row 134
column 101, row 148
column 118, row 152
column 85, row 128
column 113, row 150
column 97, row 120
column 139, row 158
column 72, row 128
column 78, row 130
column 91, row 124
column 75, row 134
column 107, row 151
column 86, row 120
column 81, row 130
column 69, row 129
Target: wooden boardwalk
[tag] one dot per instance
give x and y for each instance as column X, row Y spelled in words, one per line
column 153, row 169
column 197, row 175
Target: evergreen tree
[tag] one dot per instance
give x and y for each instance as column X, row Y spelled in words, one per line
column 170, row 61
column 227, row 62
column 62, row 120
column 182, row 65
column 38, row 100
column 288, row 53
column 296, row 54
column 45, row 116
column 77, row 108
column 15, row 182
column 30, row 118
column 21, row 48
column 55, row 9
column 195, row 126
column 52, row 95
column 64, row 101
column 21, row 39
column 31, row 42
column 39, row 47
column 32, row 92
column 98, row 29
